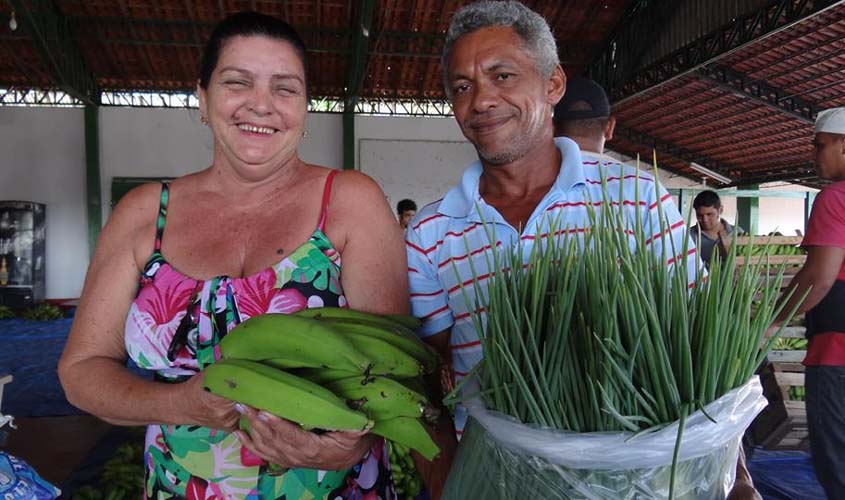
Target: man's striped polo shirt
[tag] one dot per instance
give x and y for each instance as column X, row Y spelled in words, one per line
column 450, row 238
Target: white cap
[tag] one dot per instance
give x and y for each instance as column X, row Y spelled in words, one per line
column 831, row 120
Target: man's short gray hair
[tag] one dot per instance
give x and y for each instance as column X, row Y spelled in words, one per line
column 529, row 25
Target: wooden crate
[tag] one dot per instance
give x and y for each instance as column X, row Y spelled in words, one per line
column 792, row 262
column 782, row 425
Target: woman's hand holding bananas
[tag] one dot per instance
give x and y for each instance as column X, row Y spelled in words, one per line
column 202, row 407
column 279, row 441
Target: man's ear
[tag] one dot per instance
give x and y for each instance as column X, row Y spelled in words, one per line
column 556, row 86
column 609, row 128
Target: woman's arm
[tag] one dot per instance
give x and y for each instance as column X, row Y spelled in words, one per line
column 372, row 245
column 92, row 367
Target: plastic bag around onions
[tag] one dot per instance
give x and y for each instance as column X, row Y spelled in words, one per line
column 499, row 458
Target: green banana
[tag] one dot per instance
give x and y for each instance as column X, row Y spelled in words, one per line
column 282, row 394
column 382, row 398
column 386, row 358
column 409, row 432
column 343, row 313
column 406, row 320
column 302, row 341
column 397, row 336
column 319, row 375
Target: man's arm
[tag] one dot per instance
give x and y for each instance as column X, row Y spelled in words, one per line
column 435, row 472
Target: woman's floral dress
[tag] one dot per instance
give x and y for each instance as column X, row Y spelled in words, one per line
column 174, row 327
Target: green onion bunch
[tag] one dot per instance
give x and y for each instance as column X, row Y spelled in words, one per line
column 596, row 332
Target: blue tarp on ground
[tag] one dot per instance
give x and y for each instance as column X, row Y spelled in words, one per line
column 784, row 475
column 30, row 351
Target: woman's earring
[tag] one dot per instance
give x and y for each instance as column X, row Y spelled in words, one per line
column 304, row 134
column 203, row 120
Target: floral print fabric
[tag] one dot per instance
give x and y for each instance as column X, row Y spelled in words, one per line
column 174, row 327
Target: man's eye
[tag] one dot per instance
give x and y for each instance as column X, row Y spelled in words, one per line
column 459, row 89
column 503, row 76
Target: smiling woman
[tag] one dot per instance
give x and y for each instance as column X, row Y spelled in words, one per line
column 258, row 231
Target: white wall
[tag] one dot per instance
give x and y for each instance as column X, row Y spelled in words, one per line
column 43, row 160
column 782, row 214
column 416, row 158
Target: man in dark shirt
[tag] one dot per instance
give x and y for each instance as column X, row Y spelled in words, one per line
column 712, row 231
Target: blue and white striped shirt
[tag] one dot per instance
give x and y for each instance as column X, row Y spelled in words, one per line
column 448, row 240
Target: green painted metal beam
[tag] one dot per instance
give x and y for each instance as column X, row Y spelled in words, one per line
column 348, row 140
column 808, row 207
column 93, row 195
column 51, row 33
column 355, row 78
column 742, row 193
column 748, row 212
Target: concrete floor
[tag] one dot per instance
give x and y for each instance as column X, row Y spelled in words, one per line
column 54, row 446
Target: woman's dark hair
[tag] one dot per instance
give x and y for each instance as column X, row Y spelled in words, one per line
column 247, row 24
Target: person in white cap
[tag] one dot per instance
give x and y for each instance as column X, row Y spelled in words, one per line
column 823, row 275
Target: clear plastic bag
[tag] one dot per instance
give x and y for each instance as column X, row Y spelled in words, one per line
column 500, row 458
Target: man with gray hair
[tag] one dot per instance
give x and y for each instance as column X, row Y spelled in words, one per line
column 503, row 78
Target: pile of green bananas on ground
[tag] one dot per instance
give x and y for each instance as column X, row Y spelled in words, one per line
column 122, row 476
column 332, row 369
column 759, row 249
column 407, row 481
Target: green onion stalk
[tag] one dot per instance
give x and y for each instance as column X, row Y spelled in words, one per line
column 595, row 331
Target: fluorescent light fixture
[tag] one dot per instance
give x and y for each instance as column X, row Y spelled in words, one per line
column 709, row 173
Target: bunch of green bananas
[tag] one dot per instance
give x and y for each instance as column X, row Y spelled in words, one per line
column 761, row 249
column 405, row 477
column 797, row 392
column 122, row 476
column 331, row 369
column 790, row 344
